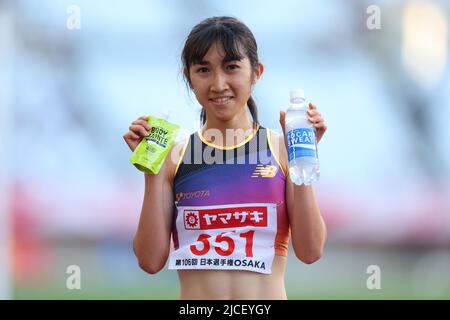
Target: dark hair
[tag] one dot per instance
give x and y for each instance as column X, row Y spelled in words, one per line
column 232, row 34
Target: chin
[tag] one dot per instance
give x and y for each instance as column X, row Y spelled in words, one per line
column 224, row 117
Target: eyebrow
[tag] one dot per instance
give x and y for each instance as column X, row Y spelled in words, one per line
column 225, row 60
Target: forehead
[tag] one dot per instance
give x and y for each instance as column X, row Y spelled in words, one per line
column 216, row 54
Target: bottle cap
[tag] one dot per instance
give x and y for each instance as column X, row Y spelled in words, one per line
column 297, row 94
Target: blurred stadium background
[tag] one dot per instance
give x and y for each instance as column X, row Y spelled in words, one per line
column 69, row 196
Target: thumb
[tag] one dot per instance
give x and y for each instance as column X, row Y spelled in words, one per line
column 282, row 120
column 282, row 115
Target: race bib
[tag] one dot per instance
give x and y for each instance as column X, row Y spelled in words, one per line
column 226, row 237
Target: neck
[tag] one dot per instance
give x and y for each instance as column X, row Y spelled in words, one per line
column 237, row 124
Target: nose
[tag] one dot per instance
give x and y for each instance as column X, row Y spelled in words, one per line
column 219, row 82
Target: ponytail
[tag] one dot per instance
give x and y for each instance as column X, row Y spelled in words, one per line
column 254, row 111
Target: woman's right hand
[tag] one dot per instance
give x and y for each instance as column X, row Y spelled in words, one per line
column 137, row 131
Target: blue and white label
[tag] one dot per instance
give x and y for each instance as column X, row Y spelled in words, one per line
column 301, row 143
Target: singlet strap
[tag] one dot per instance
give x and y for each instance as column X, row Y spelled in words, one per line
column 186, row 143
column 273, row 153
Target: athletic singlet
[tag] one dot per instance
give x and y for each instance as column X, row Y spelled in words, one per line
column 230, row 211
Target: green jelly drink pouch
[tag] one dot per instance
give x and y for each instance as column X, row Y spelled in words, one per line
column 150, row 153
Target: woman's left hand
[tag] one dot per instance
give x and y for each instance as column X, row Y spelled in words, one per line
column 314, row 116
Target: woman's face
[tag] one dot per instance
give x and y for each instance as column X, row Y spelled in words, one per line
column 222, row 87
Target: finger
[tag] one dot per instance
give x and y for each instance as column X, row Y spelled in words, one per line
column 316, row 119
column 314, row 112
column 131, row 135
column 321, row 125
column 138, row 129
column 144, row 117
column 282, row 120
column 312, row 106
column 142, row 123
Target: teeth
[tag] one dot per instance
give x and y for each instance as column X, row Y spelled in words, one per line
column 221, row 100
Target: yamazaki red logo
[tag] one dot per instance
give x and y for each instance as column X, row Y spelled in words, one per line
column 205, row 219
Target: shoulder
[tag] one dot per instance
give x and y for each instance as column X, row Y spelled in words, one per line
column 278, row 148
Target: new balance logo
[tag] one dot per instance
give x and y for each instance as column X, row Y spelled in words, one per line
column 264, row 171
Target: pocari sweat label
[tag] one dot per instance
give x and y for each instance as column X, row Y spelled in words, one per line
column 301, row 143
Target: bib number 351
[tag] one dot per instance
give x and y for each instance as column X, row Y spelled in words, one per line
column 220, row 238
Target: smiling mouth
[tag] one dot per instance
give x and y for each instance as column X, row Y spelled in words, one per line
column 221, row 100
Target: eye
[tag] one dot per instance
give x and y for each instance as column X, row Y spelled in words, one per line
column 202, row 70
column 232, row 67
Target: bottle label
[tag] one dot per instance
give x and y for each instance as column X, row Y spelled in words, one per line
column 301, row 143
column 158, row 136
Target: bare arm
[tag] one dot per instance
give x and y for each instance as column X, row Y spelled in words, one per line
column 151, row 243
column 308, row 229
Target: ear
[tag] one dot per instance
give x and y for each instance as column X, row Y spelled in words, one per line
column 258, row 72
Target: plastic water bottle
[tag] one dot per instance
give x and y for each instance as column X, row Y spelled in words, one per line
column 304, row 165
